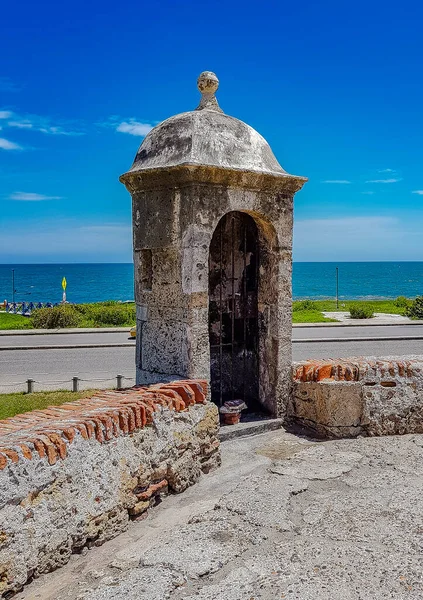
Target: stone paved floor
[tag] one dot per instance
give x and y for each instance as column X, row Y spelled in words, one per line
column 284, row 517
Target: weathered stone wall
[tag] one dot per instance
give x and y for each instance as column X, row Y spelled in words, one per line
column 174, row 218
column 73, row 476
column 189, row 172
column 358, row 396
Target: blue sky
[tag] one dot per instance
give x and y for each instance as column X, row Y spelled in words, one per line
column 336, row 88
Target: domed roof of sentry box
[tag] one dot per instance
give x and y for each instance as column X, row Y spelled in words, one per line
column 206, row 136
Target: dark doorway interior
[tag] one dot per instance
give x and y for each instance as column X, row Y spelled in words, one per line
column 233, row 310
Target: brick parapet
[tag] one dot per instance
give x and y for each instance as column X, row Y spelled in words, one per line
column 357, row 396
column 105, row 415
column 73, row 476
column 356, row 369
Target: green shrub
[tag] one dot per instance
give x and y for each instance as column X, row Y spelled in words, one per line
column 109, row 314
column 114, row 315
column 304, row 305
column 83, row 309
column 415, row 311
column 361, row 311
column 57, row 317
column 402, row 302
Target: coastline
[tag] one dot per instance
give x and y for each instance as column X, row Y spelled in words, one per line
column 99, row 282
column 114, row 315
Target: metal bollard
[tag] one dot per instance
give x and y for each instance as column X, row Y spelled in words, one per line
column 119, row 385
column 30, row 384
column 75, row 384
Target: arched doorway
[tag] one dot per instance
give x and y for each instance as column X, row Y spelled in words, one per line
column 233, row 310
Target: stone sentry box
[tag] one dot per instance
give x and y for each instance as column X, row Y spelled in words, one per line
column 192, row 172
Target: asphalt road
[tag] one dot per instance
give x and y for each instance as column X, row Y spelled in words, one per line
column 54, row 369
column 102, row 338
column 347, row 349
column 66, row 339
column 360, row 331
column 114, row 354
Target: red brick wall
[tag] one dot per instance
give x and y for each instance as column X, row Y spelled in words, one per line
column 106, row 415
column 73, row 476
column 355, row 369
column 358, row 396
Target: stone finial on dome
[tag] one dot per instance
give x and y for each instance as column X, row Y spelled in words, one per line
column 208, row 83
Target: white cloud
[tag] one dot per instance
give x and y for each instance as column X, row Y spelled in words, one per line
column 67, row 240
column 393, row 180
column 386, row 171
column 131, row 126
column 336, row 181
column 134, row 127
column 20, row 124
column 54, row 130
column 31, row 197
column 8, row 145
column 419, row 192
column 35, row 123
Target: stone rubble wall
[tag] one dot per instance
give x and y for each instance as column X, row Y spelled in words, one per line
column 73, row 476
column 357, row 396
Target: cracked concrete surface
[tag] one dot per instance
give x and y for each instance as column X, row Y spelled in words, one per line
column 284, row 517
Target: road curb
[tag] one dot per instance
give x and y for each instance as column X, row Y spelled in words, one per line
column 18, row 332
column 296, row 341
column 358, row 339
column 68, row 346
column 363, row 324
column 63, row 331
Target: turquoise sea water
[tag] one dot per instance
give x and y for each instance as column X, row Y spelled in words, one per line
column 96, row 282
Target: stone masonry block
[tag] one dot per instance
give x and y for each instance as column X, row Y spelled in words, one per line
column 74, row 475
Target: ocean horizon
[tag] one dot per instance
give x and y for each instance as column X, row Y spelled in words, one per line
column 96, row 282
